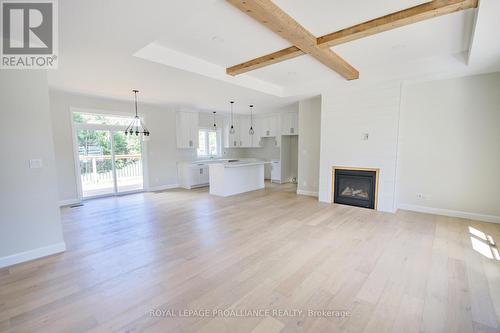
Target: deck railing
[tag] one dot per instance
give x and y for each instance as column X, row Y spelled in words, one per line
column 98, row 169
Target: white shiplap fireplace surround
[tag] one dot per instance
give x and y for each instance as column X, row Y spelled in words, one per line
column 345, row 117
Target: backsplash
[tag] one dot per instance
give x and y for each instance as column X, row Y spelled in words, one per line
column 268, row 151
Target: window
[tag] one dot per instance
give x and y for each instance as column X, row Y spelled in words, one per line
column 101, row 119
column 208, row 143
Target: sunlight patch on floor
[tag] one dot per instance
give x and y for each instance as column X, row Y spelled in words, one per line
column 484, row 244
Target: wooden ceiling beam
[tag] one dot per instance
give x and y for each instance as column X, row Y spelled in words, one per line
column 269, row 59
column 388, row 22
column 396, row 20
column 270, row 15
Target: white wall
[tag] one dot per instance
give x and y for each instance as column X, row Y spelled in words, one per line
column 440, row 139
column 309, row 145
column 345, row 116
column 450, row 146
column 161, row 150
column 30, row 224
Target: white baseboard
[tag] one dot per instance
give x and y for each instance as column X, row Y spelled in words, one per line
column 453, row 213
column 32, row 254
column 163, row 187
column 68, row 202
column 309, row 193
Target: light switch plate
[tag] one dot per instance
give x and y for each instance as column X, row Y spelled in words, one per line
column 365, row 136
column 36, row 163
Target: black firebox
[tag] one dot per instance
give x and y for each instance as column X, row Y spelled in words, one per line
column 355, row 188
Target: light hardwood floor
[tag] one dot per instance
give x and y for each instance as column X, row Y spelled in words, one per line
column 268, row 249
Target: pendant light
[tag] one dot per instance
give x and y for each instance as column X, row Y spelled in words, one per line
column 231, row 130
column 215, row 125
column 136, row 126
column 251, row 131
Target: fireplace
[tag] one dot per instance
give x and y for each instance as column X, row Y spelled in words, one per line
column 355, row 186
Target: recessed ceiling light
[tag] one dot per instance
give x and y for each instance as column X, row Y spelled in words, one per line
column 217, row 39
column 399, row 47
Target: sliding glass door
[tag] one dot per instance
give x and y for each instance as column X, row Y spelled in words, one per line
column 96, row 162
column 128, row 162
column 109, row 162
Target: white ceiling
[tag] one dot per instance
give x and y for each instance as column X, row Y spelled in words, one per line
column 99, row 39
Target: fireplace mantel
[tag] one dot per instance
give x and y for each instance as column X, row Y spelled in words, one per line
column 376, row 170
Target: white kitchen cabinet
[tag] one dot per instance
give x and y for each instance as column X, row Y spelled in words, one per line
column 231, row 140
column 187, row 129
column 241, row 137
column 269, row 126
column 256, row 141
column 229, row 179
column 266, row 126
column 276, row 171
column 204, row 178
column 245, row 137
column 274, row 125
column 277, row 141
column 290, row 123
column 257, row 127
column 193, row 175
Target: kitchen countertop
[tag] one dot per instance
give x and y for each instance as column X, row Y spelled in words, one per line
column 240, row 164
column 226, row 161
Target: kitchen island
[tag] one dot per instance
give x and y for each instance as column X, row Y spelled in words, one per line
column 233, row 178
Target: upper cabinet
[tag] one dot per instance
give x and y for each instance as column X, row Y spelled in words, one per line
column 231, row 140
column 264, row 126
column 241, row 137
column 187, row 129
column 269, row 126
column 245, row 137
column 290, row 123
column 257, row 128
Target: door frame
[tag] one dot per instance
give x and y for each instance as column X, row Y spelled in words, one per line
column 111, row 128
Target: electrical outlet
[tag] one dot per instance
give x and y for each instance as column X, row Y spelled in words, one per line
column 420, row 196
column 365, row 136
column 35, row 163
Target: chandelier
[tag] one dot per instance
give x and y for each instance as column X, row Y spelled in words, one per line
column 136, row 126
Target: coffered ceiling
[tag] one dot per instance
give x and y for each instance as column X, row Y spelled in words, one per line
column 108, row 48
